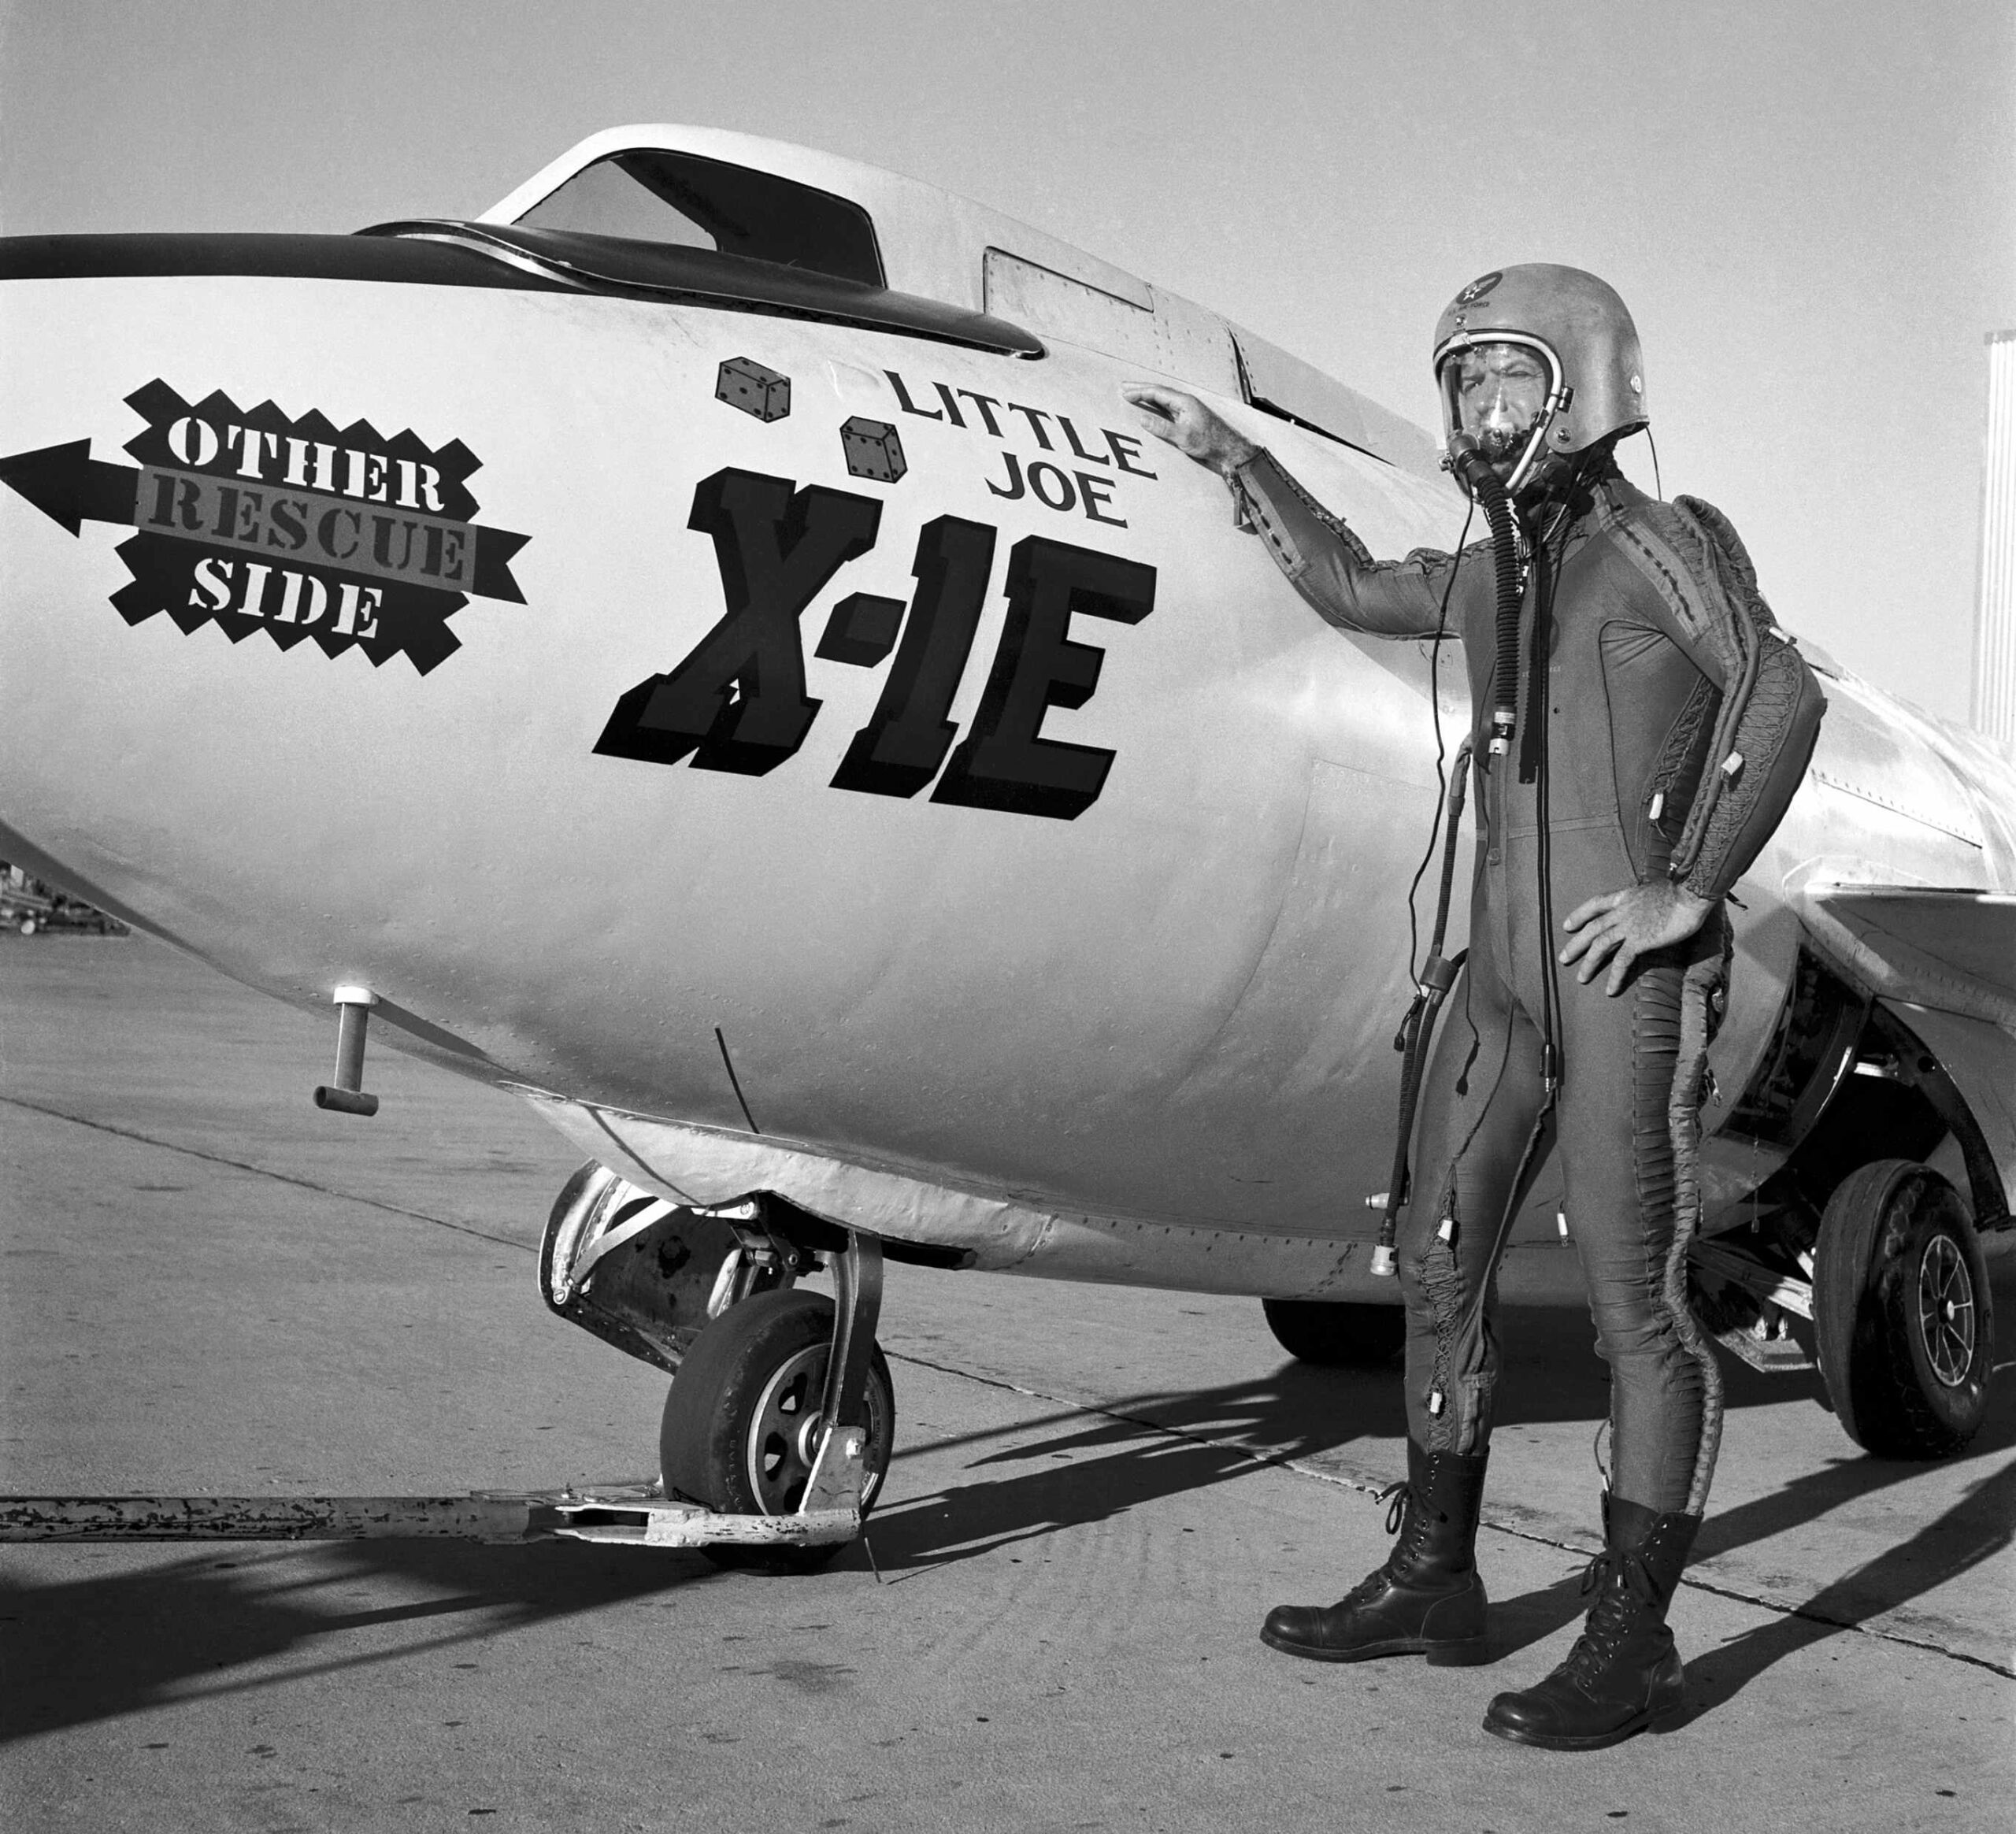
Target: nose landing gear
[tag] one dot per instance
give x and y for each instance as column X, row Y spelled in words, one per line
column 781, row 1413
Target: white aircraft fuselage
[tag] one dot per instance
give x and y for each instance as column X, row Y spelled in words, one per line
column 863, row 766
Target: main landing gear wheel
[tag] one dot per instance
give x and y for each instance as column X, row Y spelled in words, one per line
column 1901, row 1310
column 741, row 1423
column 1338, row 1334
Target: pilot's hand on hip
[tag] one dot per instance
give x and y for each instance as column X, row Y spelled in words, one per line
column 1621, row 926
column 1189, row 426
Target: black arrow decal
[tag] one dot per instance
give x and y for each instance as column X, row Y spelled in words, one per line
column 69, row 486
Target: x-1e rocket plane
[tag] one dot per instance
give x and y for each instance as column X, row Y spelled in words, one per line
column 955, row 841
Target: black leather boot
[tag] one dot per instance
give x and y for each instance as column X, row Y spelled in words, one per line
column 1428, row 1599
column 1624, row 1673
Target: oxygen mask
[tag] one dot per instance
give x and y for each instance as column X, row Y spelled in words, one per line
column 1499, row 394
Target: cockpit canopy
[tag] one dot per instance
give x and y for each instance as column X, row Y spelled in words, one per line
column 660, row 194
column 767, row 201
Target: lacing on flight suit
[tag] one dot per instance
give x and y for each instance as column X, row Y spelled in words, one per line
column 1665, row 724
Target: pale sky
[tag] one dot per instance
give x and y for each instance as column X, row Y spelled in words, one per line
column 1808, row 206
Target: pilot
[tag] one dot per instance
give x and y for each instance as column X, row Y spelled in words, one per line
column 1621, row 789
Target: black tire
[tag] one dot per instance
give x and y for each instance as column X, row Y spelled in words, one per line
column 736, row 1434
column 1902, row 1312
column 1336, row 1333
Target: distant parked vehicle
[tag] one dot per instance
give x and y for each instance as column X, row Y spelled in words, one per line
column 27, row 906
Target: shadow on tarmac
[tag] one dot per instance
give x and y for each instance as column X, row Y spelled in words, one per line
column 1129, row 1456
column 1973, row 1530
column 95, row 1647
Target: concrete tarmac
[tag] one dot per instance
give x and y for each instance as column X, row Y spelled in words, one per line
column 212, row 1288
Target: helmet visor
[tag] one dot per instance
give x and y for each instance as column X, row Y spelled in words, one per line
column 1497, row 393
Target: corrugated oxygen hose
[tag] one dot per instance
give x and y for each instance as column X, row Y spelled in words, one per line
column 1467, row 460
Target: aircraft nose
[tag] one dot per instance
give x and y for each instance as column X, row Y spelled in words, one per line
column 154, row 523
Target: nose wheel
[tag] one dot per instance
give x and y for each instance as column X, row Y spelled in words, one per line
column 745, row 1425
column 786, row 1425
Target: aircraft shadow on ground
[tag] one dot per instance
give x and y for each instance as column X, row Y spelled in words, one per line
column 1158, row 1445
column 95, row 1647
column 1973, row 1530
column 227, row 1620
column 1981, row 1525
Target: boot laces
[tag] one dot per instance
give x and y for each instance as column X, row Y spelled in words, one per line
column 1404, row 1509
column 1408, row 1513
column 1397, row 1497
column 1623, row 1586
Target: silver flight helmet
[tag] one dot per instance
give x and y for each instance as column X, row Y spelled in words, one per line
column 1538, row 363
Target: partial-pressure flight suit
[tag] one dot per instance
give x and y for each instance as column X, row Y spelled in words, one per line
column 1672, row 722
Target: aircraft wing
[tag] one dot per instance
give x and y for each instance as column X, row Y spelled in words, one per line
column 1951, row 949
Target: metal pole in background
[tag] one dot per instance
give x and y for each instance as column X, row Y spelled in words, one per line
column 1995, row 612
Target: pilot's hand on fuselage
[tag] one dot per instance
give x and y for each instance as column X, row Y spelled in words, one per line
column 1621, row 926
column 1190, row 427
